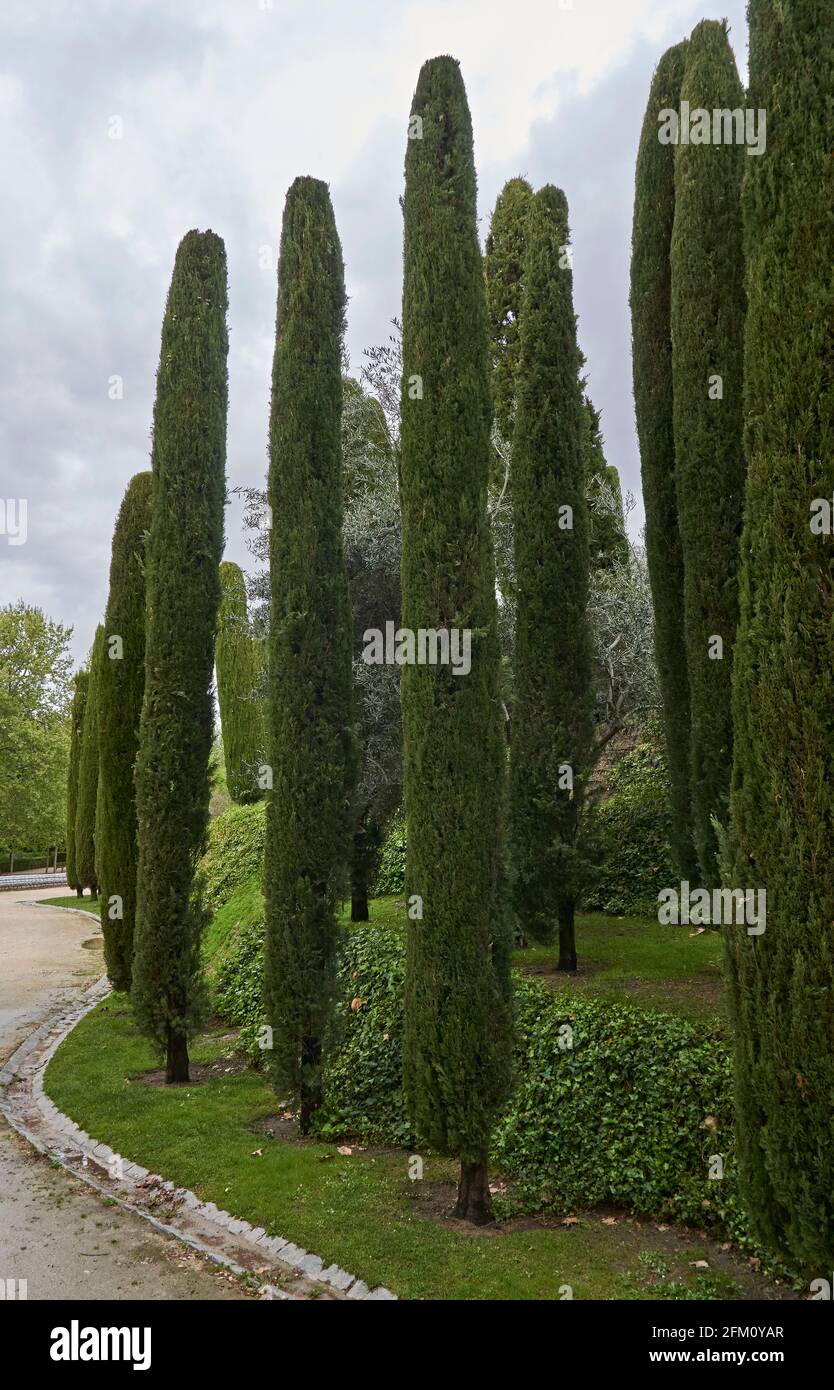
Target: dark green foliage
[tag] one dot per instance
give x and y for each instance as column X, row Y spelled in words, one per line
column 310, row 737
column 783, row 774
column 373, row 548
column 504, row 273
column 79, row 703
column 85, row 809
column 364, row 1080
column 238, row 688
column 182, row 595
column 654, row 208
column 625, row 1092
column 457, row 1026
column 607, row 542
column 390, row 876
column 627, row 835
column 707, row 317
column 552, row 729
column 121, row 687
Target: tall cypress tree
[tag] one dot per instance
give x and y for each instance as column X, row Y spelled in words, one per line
column 79, row 702
column 121, row 686
column 708, row 307
column 783, row 687
column 238, row 688
column 552, row 728
column 608, row 542
column 85, row 809
column 504, row 273
column 182, row 596
column 654, row 209
column 310, row 738
column 457, row 1036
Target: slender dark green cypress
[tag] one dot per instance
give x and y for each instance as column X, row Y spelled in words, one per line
column 121, row 686
column 182, row 597
column 608, row 542
column 238, row 688
column 707, row 316
column 311, row 742
column 457, row 1033
column 79, row 702
column 552, row 727
column 654, row 209
column 504, row 273
column 783, row 688
column 85, row 810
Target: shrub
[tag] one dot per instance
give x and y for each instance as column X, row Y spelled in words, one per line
column 390, row 877
column 628, row 836
column 630, row 1113
column 234, row 854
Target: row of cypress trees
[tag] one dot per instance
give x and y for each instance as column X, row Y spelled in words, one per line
column 731, row 263
column 688, row 308
column 551, row 434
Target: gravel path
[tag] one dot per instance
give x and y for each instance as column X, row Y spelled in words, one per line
column 55, row 1233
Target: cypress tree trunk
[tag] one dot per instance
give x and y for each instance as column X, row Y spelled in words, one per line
column 182, row 596
column 85, row 813
column 457, row 1026
column 359, row 878
column 708, row 308
column 79, row 702
column 783, row 688
column 654, row 207
column 121, row 686
column 241, row 716
column 312, row 749
column 552, row 719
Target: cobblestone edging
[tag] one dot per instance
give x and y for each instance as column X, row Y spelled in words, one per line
column 242, row 1248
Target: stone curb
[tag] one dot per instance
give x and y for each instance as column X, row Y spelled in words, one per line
column 30, row 1112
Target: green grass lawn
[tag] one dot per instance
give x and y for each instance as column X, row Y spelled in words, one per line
column 633, row 958
column 636, row 958
column 84, row 904
column 360, row 1210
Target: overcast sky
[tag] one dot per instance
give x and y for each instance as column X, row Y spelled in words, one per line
column 220, row 104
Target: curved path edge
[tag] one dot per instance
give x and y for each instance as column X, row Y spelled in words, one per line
column 237, row 1245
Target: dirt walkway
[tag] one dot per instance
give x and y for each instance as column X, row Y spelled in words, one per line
column 54, row 1232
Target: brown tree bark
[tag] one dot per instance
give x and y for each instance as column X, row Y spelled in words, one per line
column 310, row 1082
column 176, row 1068
column 359, row 902
column 474, row 1202
column 567, row 938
